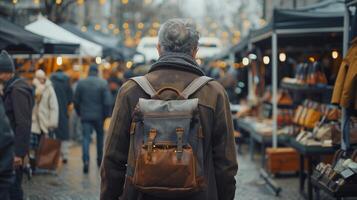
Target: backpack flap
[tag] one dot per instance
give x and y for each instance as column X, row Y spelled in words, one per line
column 169, row 119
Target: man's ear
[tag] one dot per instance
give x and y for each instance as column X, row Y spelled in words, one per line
column 158, row 47
column 194, row 52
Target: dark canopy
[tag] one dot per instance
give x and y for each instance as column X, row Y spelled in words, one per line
column 17, row 40
column 300, row 20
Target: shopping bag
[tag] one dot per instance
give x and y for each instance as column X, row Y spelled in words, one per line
column 48, row 153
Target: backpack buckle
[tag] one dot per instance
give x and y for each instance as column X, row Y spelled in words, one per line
column 151, row 138
column 179, row 151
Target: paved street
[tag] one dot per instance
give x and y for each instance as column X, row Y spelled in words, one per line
column 71, row 184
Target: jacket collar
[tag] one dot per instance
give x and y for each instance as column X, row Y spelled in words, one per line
column 178, row 61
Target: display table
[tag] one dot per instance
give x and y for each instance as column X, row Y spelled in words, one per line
column 309, row 152
column 256, row 135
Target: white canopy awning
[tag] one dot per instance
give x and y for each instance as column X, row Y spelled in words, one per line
column 52, row 31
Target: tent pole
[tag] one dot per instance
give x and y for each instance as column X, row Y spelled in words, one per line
column 275, row 87
column 345, row 117
column 346, row 28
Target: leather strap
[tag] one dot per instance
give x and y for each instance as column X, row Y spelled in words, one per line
column 195, row 85
column 144, row 83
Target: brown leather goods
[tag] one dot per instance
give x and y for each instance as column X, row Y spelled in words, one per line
column 313, row 116
column 282, row 160
column 284, row 98
column 304, row 113
column 333, row 114
column 166, row 142
column 48, row 153
column 298, row 114
column 344, row 92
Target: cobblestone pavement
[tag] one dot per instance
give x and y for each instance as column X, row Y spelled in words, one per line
column 71, row 184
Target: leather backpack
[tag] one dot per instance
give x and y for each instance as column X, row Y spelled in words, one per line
column 166, row 142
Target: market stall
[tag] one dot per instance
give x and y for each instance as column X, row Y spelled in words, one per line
column 304, row 35
column 16, row 40
column 55, row 33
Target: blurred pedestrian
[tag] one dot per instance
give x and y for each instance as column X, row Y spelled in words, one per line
column 63, row 90
column 45, row 113
column 7, row 176
column 18, row 101
column 92, row 101
column 175, row 70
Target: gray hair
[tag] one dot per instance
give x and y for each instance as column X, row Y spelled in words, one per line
column 178, row 35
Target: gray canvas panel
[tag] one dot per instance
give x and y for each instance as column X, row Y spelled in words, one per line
column 153, row 105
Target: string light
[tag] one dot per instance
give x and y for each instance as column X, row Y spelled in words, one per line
column 129, row 64
column 334, row 54
column 116, row 31
column 140, row 25
column 84, row 29
column 58, row 2
column 282, row 57
column 14, row 1
column 111, row 26
column 98, row 60
column 97, row 27
column 59, row 61
column 266, row 60
column 245, row 61
column 126, row 25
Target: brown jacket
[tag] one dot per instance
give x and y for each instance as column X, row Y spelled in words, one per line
column 219, row 147
column 345, row 89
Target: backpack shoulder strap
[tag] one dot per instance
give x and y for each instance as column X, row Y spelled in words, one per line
column 195, row 85
column 144, row 83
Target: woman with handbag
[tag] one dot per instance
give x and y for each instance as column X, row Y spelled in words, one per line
column 45, row 112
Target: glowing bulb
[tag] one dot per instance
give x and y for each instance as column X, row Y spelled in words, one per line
column 98, row 60
column 245, row 61
column 125, row 1
column 140, row 25
column 58, row 2
column 59, row 61
column 84, row 29
column 334, row 54
column 129, row 64
column 97, row 27
column 266, row 60
column 14, row 1
column 282, row 57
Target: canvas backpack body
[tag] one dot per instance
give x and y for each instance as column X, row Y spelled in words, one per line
column 166, row 142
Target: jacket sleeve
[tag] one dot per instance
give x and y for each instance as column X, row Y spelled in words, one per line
column 224, row 149
column 77, row 99
column 22, row 104
column 116, row 150
column 54, row 110
column 69, row 92
column 107, row 101
column 339, row 83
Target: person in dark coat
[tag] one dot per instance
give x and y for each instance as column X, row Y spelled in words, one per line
column 7, row 154
column 18, row 100
column 92, row 101
column 63, row 90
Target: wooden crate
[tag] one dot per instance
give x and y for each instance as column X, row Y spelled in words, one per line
column 282, row 160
